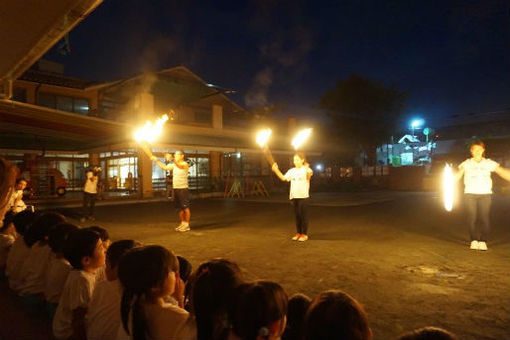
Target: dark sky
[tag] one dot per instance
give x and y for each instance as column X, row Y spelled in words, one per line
column 451, row 56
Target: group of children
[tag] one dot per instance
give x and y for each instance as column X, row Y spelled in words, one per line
column 124, row 290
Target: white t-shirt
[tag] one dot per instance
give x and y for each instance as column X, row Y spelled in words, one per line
column 179, row 178
column 477, row 175
column 6, row 242
column 77, row 292
column 166, row 322
column 34, row 269
column 20, row 205
column 56, row 277
column 299, row 185
column 103, row 314
column 90, row 183
column 17, row 255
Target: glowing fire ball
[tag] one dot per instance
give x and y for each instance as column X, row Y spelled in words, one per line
column 150, row 132
column 263, row 137
column 448, row 188
column 301, row 138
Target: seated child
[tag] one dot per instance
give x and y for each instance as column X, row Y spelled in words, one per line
column 7, row 238
column 19, row 249
column 260, row 312
column 298, row 305
column 58, row 267
column 144, row 312
column 85, row 252
column 336, row 315
column 33, row 272
column 103, row 314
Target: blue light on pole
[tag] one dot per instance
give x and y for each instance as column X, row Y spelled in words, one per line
column 416, row 124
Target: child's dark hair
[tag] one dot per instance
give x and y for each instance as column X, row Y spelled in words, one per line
column 41, row 227
column 212, row 289
column 336, row 315
column 297, row 307
column 103, row 233
column 258, row 305
column 59, row 235
column 8, row 219
column 118, row 249
column 301, row 155
column 185, row 268
column 80, row 243
column 140, row 270
column 20, row 179
column 23, row 220
column 428, row 333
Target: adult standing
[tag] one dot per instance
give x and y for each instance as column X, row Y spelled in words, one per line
column 299, row 178
column 90, row 193
column 179, row 169
column 478, row 192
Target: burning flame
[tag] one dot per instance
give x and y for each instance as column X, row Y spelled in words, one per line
column 263, row 137
column 448, row 187
column 301, row 138
column 150, row 132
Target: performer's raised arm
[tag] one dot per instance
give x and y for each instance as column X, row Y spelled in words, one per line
column 163, row 166
column 278, row 172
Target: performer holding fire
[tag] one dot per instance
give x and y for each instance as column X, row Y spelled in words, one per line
column 179, row 170
column 299, row 178
column 478, row 191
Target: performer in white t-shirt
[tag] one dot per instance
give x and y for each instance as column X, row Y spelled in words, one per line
column 90, row 193
column 478, row 190
column 179, row 170
column 299, row 178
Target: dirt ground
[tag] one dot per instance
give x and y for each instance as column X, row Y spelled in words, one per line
column 404, row 258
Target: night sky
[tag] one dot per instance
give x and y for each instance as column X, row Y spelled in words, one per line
column 453, row 57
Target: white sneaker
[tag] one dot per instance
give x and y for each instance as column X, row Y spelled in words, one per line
column 184, row 228
column 178, row 227
column 482, row 245
column 474, row 245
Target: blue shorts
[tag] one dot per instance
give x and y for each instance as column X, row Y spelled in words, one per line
column 181, row 198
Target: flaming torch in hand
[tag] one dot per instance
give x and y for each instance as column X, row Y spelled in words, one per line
column 301, row 138
column 448, row 187
column 262, row 138
column 149, row 133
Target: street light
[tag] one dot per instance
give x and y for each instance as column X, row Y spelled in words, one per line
column 416, row 123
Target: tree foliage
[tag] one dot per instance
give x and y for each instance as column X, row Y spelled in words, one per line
column 364, row 113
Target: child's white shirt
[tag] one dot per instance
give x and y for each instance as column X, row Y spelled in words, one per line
column 299, row 184
column 56, row 277
column 77, row 293
column 103, row 314
column 6, row 242
column 165, row 322
column 34, row 269
column 15, row 260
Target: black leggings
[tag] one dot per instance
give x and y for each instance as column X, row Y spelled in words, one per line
column 478, row 206
column 301, row 212
column 89, row 201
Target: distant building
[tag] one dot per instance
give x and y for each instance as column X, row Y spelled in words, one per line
column 55, row 122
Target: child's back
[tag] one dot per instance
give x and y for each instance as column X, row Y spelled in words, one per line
column 56, row 277
column 33, row 272
column 103, row 316
column 17, row 255
column 76, row 294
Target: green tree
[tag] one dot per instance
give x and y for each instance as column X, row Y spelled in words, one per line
column 364, row 113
